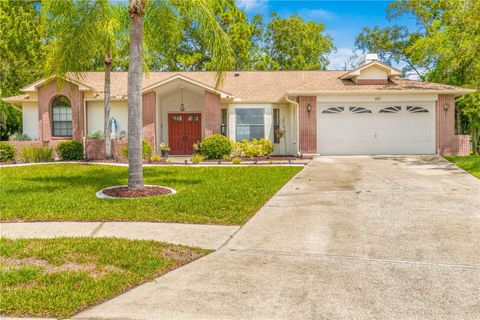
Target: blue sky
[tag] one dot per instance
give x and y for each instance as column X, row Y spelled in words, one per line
column 343, row 19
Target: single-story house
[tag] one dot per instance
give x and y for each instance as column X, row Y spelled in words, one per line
column 368, row 110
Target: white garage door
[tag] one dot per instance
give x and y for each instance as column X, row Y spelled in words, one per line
column 394, row 129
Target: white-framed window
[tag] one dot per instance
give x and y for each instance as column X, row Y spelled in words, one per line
column 62, row 117
column 250, row 123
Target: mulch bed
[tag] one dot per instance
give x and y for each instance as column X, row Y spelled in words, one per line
column 147, row 191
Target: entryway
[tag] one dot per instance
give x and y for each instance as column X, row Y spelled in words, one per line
column 184, row 129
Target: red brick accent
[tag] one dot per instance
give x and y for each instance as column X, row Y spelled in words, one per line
column 95, row 149
column 149, row 115
column 213, row 113
column 372, row 81
column 307, row 124
column 19, row 145
column 46, row 94
column 447, row 143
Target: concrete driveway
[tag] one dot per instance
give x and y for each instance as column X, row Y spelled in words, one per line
column 347, row 238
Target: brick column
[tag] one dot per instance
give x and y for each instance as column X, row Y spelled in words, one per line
column 149, row 117
column 213, row 113
column 447, row 143
column 307, row 125
column 46, row 95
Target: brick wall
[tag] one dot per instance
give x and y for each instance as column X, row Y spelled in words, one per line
column 19, row 145
column 307, row 124
column 149, row 117
column 213, row 113
column 46, row 94
column 95, row 149
column 372, row 81
column 447, row 143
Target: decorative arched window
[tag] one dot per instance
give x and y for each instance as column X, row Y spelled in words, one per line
column 415, row 109
column 334, row 110
column 395, row 109
column 359, row 110
column 62, row 117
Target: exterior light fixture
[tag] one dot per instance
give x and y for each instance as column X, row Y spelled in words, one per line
column 182, row 106
column 445, row 107
column 309, row 108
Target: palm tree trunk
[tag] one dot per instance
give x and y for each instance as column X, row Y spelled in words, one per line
column 106, row 130
column 135, row 169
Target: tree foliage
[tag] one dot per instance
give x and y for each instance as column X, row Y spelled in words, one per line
column 21, row 56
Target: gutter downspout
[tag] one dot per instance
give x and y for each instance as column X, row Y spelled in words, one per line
column 296, row 122
column 84, row 138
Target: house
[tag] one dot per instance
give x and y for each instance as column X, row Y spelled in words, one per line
column 369, row 110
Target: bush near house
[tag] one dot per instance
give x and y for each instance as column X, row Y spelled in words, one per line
column 216, row 146
column 146, row 150
column 7, row 152
column 37, row 154
column 70, row 150
column 252, row 149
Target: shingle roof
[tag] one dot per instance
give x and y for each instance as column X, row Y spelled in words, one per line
column 270, row 86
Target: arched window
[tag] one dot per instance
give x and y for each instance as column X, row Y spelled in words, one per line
column 62, row 117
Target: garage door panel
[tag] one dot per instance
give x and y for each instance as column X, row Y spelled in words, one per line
column 393, row 131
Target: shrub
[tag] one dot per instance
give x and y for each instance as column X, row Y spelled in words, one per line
column 37, row 154
column 156, row 158
column 96, row 135
column 236, row 160
column 197, row 158
column 266, row 147
column 7, row 152
column 146, row 150
column 216, row 146
column 70, row 150
column 21, row 137
column 254, row 148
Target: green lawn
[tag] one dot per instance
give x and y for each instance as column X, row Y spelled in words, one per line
column 218, row 195
column 468, row 163
column 59, row 277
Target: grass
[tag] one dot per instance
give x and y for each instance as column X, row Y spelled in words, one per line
column 216, row 195
column 467, row 163
column 59, row 277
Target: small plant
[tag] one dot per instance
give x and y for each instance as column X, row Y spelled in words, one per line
column 196, row 159
column 20, row 137
column 122, row 134
column 70, row 150
column 37, row 154
column 7, row 152
column 196, row 148
column 226, row 157
column 96, row 135
column 146, row 150
column 156, row 158
column 236, row 160
column 163, row 146
column 216, row 146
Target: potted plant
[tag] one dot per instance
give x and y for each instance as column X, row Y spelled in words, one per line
column 164, row 149
column 279, row 133
column 122, row 135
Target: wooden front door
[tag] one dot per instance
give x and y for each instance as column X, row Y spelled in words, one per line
column 184, row 129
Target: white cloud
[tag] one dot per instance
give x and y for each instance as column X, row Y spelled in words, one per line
column 317, row 14
column 339, row 58
column 252, row 5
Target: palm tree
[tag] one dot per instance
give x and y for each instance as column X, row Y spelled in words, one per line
column 82, row 35
column 199, row 13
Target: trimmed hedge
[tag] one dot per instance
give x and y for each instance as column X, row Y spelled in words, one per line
column 70, row 150
column 7, row 152
column 216, row 146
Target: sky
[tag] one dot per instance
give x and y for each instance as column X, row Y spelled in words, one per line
column 343, row 20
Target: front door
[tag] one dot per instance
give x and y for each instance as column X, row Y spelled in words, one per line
column 184, row 129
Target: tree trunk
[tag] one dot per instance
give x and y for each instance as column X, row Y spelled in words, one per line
column 135, row 73
column 106, row 127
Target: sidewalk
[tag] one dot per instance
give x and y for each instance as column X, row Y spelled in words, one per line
column 196, row 235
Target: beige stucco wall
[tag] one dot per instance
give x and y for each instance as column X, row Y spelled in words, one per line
column 30, row 119
column 287, row 119
column 372, row 73
column 95, row 115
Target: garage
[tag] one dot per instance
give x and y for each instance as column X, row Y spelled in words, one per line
column 366, row 129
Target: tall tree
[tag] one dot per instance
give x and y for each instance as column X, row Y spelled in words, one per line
column 83, row 36
column 214, row 39
column 295, row 44
column 21, row 57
